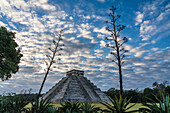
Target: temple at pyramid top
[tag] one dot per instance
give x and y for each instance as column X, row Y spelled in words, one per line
column 75, row 88
column 75, row 72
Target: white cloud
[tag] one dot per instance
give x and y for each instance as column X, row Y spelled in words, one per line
column 101, row 36
column 21, row 4
column 163, row 15
column 127, row 46
column 43, row 4
column 146, row 29
column 152, row 21
column 102, row 43
column 139, row 53
column 154, row 49
column 48, row 7
column 71, row 18
column 85, row 32
column 86, row 17
column 99, row 52
column 3, row 24
column 167, row 6
column 102, row 30
column 160, row 17
column 70, row 30
column 101, row 1
column 139, row 18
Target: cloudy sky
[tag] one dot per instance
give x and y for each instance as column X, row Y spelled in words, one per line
column 37, row 21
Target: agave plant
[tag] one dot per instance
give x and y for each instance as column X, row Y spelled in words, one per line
column 89, row 108
column 162, row 107
column 52, row 109
column 3, row 105
column 118, row 105
column 16, row 103
column 70, row 107
column 40, row 106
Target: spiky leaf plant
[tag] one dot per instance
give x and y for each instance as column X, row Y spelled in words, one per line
column 3, row 105
column 119, row 105
column 53, row 109
column 16, row 103
column 70, row 107
column 162, row 107
column 89, row 108
column 40, row 106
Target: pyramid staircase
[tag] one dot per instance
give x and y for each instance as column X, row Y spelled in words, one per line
column 75, row 88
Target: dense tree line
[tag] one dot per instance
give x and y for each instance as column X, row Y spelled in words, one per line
column 158, row 90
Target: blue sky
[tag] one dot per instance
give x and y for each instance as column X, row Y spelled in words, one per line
column 37, row 21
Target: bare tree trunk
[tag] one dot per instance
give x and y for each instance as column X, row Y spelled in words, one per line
column 121, row 81
column 120, row 70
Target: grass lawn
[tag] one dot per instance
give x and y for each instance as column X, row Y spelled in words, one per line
column 136, row 107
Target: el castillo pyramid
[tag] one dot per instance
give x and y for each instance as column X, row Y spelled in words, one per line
column 75, row 88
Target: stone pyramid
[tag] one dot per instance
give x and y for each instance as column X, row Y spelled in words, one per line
column 75, row 88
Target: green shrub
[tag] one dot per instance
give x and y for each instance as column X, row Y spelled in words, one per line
column 14, row 103
column 41, row 106
column 162, row 107
column 118, row 105
column 70, row 107
column 3, row 105
column 88, row 108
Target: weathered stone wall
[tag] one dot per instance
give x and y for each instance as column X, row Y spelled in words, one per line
column 75, row 88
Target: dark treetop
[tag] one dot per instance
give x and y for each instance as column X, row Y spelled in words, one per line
column 9, row 54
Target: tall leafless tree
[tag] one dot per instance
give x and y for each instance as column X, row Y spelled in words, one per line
column 116, row 43
column 51, row 59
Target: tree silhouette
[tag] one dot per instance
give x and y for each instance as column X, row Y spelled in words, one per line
column 116, row 43
column 51, row 59
column 9, row 54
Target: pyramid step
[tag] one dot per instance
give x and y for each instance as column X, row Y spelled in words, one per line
column 75, row 88
column 91, row 84
column 102, row 96
column 89, row 89
column 57, row 83
column 60, row 94
column 52, row 91
column 75, row 91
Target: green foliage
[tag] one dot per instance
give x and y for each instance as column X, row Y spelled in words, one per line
column 3, row 105
column 88, row 108
column 142, row 96
column 162, row 107
column 70, row 107
column 148, row 93
column 16, row 103
column 9, row 54
column 119, row 105
column 41, row 106
column 160, row 88
column 52, row 109
column 112, row 92
column 13, row 103
column 167, row 90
